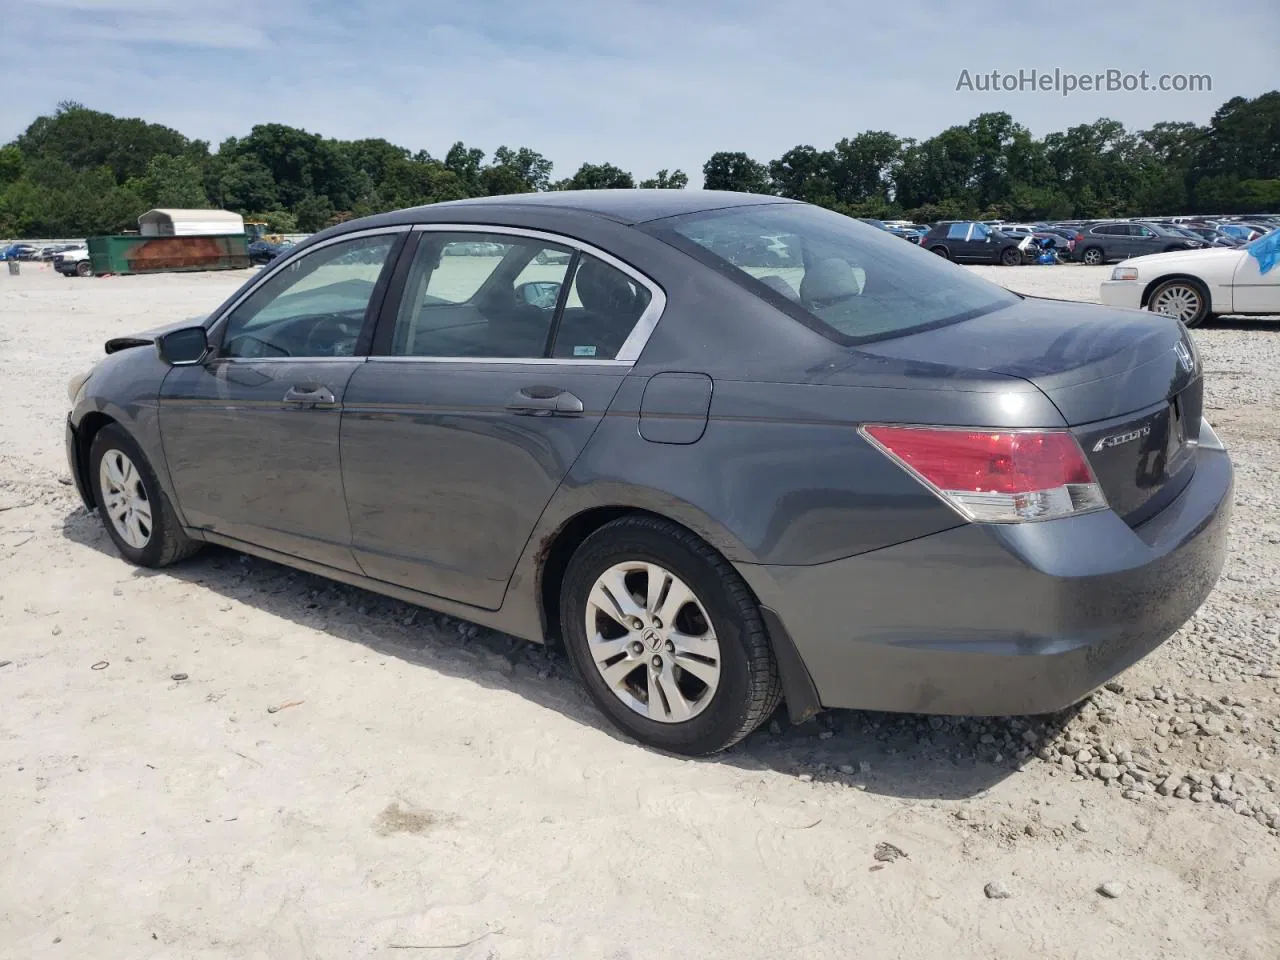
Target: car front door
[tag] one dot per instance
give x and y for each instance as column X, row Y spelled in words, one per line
column 1144, row 240
column 251, row 434
column 1252, row 290
column 488, row 377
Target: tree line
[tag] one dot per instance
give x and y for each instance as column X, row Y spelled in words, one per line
column 81, row 172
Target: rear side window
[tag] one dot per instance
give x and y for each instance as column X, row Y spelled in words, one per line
column 602, row 309
column 845, row 279
column 958, row 231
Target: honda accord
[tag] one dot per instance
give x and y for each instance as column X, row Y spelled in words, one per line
column 729, row 450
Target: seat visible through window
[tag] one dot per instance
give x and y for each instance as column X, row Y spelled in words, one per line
column 603, row 308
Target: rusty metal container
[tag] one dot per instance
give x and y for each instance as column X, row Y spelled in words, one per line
column 131, row 253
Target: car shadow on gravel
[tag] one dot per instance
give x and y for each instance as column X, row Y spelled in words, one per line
column 900, row 755
column 1242, row 323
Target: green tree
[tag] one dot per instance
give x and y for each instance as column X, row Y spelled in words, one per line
column 531, row 168
column 241, row 182
column 465, row 162
column 598, row 176
column 314, row 213
column 666, row 180
column 804, row 173
column 11, row 164
column 171, row 182
column 862, row 168
column 87, row 139
column 735, row 171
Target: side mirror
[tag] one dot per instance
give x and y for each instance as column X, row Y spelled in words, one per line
column 185, row 347
column 539, row 293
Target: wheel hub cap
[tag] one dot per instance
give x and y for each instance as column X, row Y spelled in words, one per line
column 652, row 642
column 1180, row 302
column 125, row 500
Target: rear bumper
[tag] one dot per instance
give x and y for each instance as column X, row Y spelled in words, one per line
column 1003, row 620
column 1122, row 293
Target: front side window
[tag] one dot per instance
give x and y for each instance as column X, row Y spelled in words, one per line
column 480, row 295
column 980, row 232
column 848, row 281
column 314, row 307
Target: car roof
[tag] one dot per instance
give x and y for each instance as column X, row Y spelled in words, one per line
column 625, row 206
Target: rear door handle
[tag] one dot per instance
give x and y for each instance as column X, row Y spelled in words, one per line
column 310, row 395
column 545, row 402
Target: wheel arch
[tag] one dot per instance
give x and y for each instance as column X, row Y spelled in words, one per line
column 90, row 426
column 799, row 691
column 1186, row 277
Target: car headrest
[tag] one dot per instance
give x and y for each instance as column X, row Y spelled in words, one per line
column 603, row 289
column 827, row 281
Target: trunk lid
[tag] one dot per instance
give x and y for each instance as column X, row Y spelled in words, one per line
column 1126, row 382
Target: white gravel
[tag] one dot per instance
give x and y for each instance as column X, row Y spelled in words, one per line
column 424, row 783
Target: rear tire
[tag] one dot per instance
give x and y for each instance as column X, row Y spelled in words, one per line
column 138, row 516
column 1093, row 257
column 942, row 252
column 696, row 695
column 1187, row 300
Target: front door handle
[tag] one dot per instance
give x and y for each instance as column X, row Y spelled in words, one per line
column 310, row 395
column 545, row 402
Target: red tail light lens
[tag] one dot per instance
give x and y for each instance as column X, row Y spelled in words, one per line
column 993, row 476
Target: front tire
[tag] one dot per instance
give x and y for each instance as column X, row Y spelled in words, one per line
column 1185, row 299
column 1010, row 257
column 667, row 637
column 84, row 268
column 138, row 517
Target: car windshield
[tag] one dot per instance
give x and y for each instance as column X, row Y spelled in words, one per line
column 847, row 280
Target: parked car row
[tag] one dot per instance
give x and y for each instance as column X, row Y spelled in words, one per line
column 23, row 250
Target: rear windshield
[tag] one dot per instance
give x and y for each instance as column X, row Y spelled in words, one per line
column 845, row 279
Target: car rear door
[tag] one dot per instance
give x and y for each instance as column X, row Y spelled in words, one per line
column 958, row 242
column 489, row 374
column 251, row 434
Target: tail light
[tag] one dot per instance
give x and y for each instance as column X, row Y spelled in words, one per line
column 1079, row 238
column 996, row 476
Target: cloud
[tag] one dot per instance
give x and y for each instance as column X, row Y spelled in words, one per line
column 660, row 83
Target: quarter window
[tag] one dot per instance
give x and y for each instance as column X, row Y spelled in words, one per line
column 314, row 307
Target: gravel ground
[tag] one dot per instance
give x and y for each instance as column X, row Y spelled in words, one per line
column 278, row 800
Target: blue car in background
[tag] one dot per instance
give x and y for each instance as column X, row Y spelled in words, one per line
column 17, row 251
column 261, row 251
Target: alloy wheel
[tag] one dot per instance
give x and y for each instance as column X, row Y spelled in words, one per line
column 1093, row 257
column 126, row 501
column 652, row 642
column 1178, row 300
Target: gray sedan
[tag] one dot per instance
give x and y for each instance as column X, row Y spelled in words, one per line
column 728, row 450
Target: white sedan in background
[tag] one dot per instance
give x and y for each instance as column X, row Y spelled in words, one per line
column 1194, row 285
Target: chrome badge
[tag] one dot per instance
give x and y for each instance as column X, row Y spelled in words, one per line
column 1119, row 439
column 1185, row 359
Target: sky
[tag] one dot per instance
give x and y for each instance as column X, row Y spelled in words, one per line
column 643, row 85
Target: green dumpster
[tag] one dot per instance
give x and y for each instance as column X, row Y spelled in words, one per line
column 131, row 253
